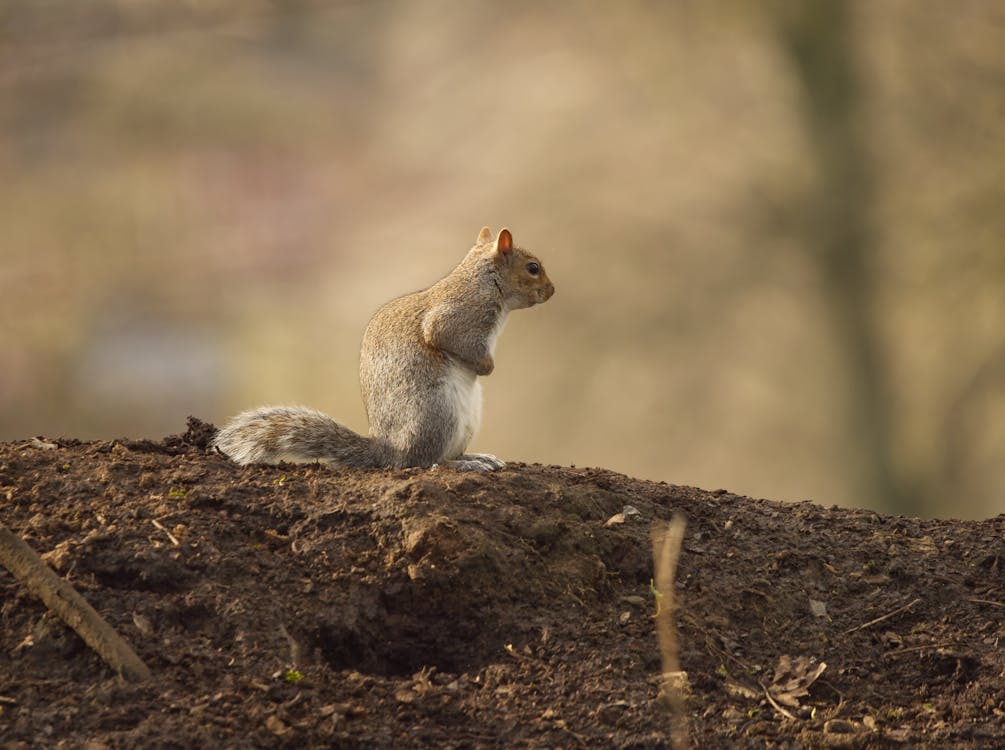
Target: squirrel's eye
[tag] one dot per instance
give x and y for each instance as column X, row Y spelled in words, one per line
column 533, row 269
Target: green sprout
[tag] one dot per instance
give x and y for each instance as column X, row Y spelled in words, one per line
column 658, row 596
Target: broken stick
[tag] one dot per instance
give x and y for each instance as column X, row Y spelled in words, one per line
column 887, row 616
column 667, row 540
column 59, row 596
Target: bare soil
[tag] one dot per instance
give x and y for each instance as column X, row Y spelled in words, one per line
column 298, row 606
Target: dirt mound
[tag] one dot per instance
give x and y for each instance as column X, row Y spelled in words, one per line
column 299, row 606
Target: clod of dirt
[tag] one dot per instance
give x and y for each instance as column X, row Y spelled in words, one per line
column 298, row 606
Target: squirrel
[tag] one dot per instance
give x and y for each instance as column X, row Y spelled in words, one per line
column 420, row 361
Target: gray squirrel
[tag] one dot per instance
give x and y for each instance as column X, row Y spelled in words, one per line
column 419, row 365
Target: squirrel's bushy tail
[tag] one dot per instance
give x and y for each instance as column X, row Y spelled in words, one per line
column 298, row 434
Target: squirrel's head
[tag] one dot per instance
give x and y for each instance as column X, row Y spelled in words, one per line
column 524, row 282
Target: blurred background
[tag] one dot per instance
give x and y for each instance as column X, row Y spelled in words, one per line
column 777, row 230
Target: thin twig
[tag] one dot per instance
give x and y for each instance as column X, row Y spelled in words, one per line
column 774, row 703
column 986, row 601
column 162, row 527
column 912, row 649
column 887, row 616
column 667, row 539
column 59, row 596
column 723, row 654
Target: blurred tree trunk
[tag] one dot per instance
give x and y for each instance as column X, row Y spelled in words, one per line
column 817, row 37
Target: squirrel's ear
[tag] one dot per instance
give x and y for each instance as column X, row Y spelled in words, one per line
column 504, row 242
column 484, row 236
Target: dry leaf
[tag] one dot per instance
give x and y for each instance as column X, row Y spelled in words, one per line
column 143, row 624
column 793, row 677
column 276, row 725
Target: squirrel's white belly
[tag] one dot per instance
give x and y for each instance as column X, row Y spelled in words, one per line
column 494, row 333
column 464, row 393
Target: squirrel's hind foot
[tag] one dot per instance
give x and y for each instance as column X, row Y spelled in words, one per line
column 475, row 462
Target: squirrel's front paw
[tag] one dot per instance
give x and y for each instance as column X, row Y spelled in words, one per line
column 475, row 462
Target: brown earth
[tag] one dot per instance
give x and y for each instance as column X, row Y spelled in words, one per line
column 301, row 607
